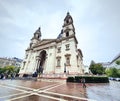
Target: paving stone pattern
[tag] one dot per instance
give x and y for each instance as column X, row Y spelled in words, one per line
column 23, row 90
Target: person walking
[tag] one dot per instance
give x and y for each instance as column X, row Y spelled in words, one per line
column 83, row 82
column 12, row 76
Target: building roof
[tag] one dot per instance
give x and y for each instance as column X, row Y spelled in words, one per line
column 115, row 58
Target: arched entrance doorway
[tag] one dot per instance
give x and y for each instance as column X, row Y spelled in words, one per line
column 41, row 62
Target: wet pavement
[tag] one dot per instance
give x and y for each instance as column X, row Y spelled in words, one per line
column 21, row 90
column 105, row 92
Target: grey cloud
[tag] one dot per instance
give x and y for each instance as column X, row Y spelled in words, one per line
column 4, row 12
column 96, row 21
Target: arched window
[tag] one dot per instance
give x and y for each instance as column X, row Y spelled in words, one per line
column 59, row 49
column 67, row 60
column 67, row 56
column 38, row 36
column 67, row 21
column 67, row 47
column 67, row 34
column 58, row 62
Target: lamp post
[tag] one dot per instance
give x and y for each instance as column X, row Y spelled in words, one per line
column 64, row 67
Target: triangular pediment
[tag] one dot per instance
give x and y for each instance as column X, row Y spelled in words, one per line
column 45, row 41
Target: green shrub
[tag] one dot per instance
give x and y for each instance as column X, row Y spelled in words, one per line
column 78, row 79
column 70, row 79
column 88, row 79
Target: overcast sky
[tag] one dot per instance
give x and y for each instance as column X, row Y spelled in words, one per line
column 97, row 25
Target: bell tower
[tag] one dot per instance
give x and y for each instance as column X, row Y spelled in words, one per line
column 36, row 38
column 68, row 27
column 37, row 34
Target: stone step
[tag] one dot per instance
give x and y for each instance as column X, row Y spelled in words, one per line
column 52, row 80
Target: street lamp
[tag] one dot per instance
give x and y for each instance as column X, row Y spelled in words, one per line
column 64, row 67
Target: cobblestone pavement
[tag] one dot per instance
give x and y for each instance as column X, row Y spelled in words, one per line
column 21, row 90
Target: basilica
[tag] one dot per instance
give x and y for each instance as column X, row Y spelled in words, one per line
column 54, row 56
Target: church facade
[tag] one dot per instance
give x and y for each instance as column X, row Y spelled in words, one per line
column 54, row 56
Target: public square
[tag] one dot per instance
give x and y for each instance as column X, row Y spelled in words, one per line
column 57, row 90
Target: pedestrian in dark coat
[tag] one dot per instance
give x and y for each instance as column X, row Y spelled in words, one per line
column 83, row 82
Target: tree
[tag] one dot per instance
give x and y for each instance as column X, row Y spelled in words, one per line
column 2, row 70
column 16, row 70
column 92, row 63
column 92, row 67
column 113, row 72
column 96, row 68
column 99, row 68
column 9, row 69
column 118, row 62
column 118, row 72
